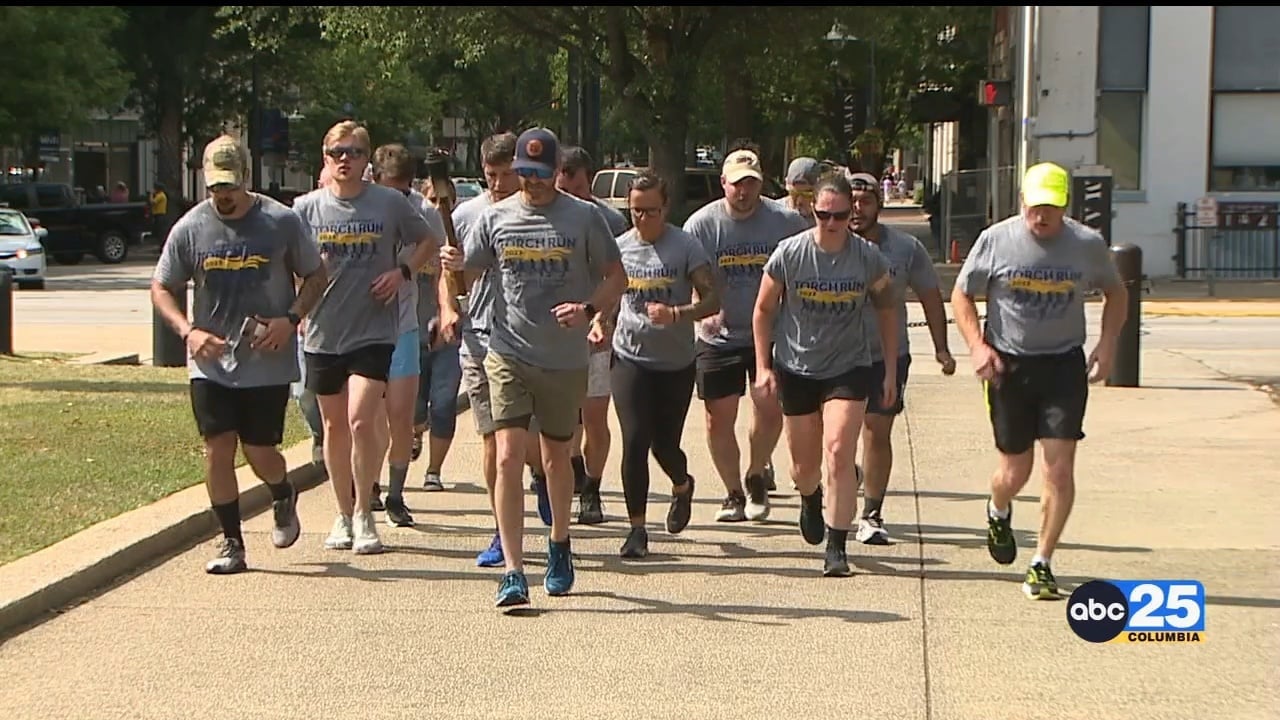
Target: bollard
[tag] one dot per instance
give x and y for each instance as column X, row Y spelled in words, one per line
column 167, row 348
column 6, row 310
column 1124, row 373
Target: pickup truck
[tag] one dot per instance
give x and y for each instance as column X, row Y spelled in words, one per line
column 106, row 230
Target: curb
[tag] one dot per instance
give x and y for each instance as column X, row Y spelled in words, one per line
column 30, row 596
column 1210, row 308
column 47, row 582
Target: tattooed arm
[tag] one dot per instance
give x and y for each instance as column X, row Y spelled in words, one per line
column 706, row 296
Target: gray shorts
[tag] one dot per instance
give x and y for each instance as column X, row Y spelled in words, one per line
column 599, row 377
column 475, row 383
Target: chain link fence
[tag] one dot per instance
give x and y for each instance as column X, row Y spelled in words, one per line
column 966, row 206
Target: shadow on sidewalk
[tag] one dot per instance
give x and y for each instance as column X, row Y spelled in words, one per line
column 93, row 386
column 722, row 613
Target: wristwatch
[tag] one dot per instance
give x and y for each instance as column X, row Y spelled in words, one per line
column 294, row 319
column 589, row 309
column 406, row 272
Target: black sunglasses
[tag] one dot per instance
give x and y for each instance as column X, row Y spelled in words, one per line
column 828, row 215
column 337, row 153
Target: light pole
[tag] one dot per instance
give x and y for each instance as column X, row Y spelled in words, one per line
column 838, row 37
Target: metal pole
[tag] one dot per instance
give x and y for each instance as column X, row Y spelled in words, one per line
column 1026, row 82
column 167, row 348
column 6, row 311
column 1124, row 373
column 1210, row 261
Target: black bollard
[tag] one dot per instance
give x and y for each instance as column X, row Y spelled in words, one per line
column 1124, row 373
column 167, row 347
column 6, row 310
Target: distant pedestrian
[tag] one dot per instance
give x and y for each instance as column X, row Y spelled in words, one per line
column 243, row 251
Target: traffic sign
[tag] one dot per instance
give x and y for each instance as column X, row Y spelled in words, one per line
column 1207, row 212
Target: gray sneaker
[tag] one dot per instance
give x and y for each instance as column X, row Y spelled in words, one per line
column 285, row 526
column 365, row 540
column 230, row 558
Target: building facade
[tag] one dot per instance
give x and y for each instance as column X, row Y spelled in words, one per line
column 1179, row 103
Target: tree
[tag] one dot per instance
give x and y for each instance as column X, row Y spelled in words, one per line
column 62, row 67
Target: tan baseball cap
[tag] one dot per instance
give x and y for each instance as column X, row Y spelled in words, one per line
column 225, row 162
column 742, row 164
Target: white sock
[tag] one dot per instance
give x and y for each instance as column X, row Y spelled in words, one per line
column 1040, row 560
column 998, row 514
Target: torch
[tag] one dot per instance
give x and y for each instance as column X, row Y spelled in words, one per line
column 438, row 172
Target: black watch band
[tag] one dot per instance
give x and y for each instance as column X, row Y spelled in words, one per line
column 589, row 309
column 294, row 319
column 406, row 272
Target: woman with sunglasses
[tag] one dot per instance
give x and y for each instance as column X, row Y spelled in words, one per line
column 815, row 290
column 653, row 370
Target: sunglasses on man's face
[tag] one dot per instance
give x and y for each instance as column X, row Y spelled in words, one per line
column 824, row 215
column 337, row 153
column 642, row 212
column 540, row 173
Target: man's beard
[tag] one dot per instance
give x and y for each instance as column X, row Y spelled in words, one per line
column 225, row 207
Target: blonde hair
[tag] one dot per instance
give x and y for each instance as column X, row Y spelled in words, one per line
column 347, row 128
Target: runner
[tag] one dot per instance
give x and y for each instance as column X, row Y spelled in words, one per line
column 910, row 267
column 394, row 168
column 352, row 335
column 1033, row 270
column 739, row 231
column 547, row 250
column 243, row 251
column 816, row 287
column 591, row 440
column 802, row 177
column 653, row 366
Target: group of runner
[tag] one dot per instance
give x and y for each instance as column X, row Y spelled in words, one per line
column 798, row 303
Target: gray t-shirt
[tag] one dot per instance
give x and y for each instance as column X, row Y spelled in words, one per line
column 740, row 249
column 359, row 238
column 543, row 256
column 910, row 266
column 657, row 272
column 617, row 221
column 475, row 322
column 1035, row 290
column 241, row 268
column 820, row 331
column 409, row 297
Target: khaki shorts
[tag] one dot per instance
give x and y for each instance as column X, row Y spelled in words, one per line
column 475, row 383
column 519, row 391
column 599, row 383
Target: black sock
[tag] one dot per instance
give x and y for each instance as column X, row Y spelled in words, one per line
column 838, row 538
column 872, row 506
column 229, row 517
column 280, row 490
column 579, row 466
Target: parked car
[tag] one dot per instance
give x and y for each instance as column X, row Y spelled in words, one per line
column 702, row 185
column 106, row 230
column 21, row 249
column 467, row 189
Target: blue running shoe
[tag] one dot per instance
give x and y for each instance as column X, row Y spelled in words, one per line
column 492, row 556
column 559, row 577
column 513, row 591
column 544, row 500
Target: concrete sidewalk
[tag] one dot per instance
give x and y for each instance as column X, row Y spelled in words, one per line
column 1177, row 481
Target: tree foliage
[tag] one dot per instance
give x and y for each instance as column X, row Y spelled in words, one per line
column 62, row 66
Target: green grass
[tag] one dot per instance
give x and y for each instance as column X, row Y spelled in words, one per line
column 81, row 444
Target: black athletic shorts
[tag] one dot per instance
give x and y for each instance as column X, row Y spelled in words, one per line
column 327, row 374
column 255, row 414
column 723, row 372
column 1038, row 397
column 875, row 399
column 800, row 395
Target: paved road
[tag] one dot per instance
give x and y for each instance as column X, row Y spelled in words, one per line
column 727, row 621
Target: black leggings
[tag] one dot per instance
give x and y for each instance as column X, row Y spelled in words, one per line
column 651, row 407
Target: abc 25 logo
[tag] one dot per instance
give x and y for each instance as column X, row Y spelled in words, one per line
column 1102, row 611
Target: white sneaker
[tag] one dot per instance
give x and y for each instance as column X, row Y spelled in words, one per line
column 340, row 536
column 871, row 531
column 365, row 540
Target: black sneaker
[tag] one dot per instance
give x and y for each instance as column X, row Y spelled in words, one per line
column 415, row 451
column 375, row 499
column 770, row 478
column 397, row 514
column 637, row 544
column 1000, row 540
column 812, row 526
column 590, row 507
column 230, row 558
column 757, row 497
column 681, row 508
column 733, row 509
column 1040, row 584
column 836, row 563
